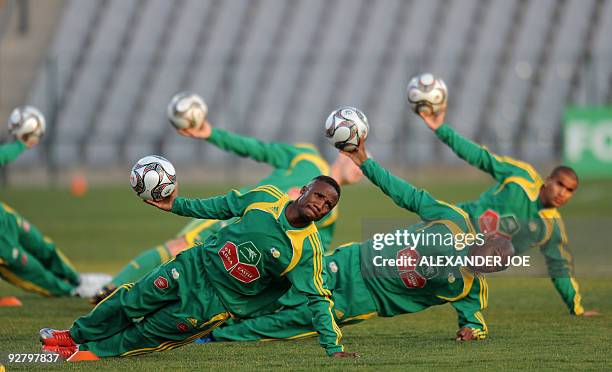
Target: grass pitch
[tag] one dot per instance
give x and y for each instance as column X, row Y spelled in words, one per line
column 529, row 325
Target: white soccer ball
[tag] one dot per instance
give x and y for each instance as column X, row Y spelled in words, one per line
column 187, row 110
column 426, row 94
column 345, row 126
column 26, row 122
column 153, row 177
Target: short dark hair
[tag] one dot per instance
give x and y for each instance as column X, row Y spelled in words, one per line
column 328, row 180
column 564, row 169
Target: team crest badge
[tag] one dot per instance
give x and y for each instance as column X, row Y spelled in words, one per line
column 161, row 282
column 451, row 278
column 182, row 327
column 240, row 261
column 175, row 274
column 509, row 225
column 488, row 222
column 275, row 252
column 429, row 272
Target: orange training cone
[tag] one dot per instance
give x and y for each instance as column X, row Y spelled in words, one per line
column 10, row 301
column 78, row 184
column 81, row 356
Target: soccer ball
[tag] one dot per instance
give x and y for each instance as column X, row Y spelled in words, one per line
column 345, row 126
column 426, row 94
column 26, row 122
column 186, row 110
column 153, row 177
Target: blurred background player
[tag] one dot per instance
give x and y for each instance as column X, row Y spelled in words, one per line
column 241, row 269
column 520, row 207
column 30, row 260
column 361, row 289
column 294, row 166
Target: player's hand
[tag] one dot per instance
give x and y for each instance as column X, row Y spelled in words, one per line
column 344, row 354
column 359, row 155
column 434, row 121
column 590, row 313
column 30, row 141
column 165, row 204
column 465, row 334
column 203, row 132
column 345, row 171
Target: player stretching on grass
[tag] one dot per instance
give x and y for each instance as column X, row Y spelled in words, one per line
column 521, row 206
column 243, row 268
column 30, row 260
column 361, row 288
column 294, row 166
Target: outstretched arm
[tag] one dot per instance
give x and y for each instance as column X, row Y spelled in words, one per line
column 472, row 325
column 309, row 278
column 233, row 204
column 403, row 193
column 278, row 155
column 10, row 151
column 559, row 262
column 498, row 167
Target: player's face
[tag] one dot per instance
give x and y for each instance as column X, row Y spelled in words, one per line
column 317, row 199
column 558, row 190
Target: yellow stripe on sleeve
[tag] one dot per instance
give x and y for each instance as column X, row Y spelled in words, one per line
column 274, row 208
column 272, row 190
column 578, row 309
column 463, row 214
column 316, row 267
column 318, row 264
column 318, row 162
column 532, row 189
column 480, row 318
column 482, row 296
column 468, row 280
column 546, row 216
column 519, row 164
column 486, row 292
column 318, row 281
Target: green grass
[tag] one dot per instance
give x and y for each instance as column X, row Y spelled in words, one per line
column 529, row 326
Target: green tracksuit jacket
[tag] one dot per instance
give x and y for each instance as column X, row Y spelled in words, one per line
column 362, row 289
column 513, row 208
column 28, row 259
column 244, row 268
column 294, row 166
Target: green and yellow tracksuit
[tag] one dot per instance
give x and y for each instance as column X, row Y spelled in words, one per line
column 362, row 288
column 242, row 269
column 514, row 209
column 294, row 166
column 28, row 259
